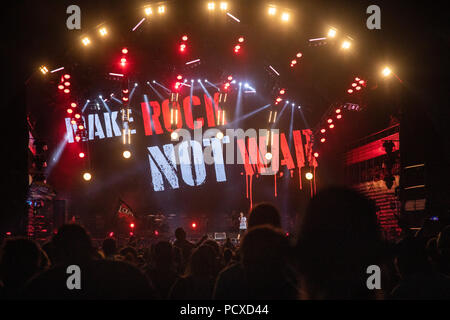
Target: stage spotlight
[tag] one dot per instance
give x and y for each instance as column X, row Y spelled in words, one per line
column 299, row 55
column 86, row 41
column 161, row 9
column 148, row 11
column 241, row 39
column 338, row 110
column 81, row 154
column 285, row 16
column 293, row 62
column 73, row 105
column 73, row 121
column 77, row 138
column 69, row 110
column 354, row 84
column 211, row 6
column 223, row 6
column 386, row 71
column 67, row 76
column 322, row 130
column 77, row 116
column 331, row 126
column 182, row 47
column 192, row 80
column 219, row 135
column 316, row 154
column 331, row 33
column 194, row 225
column 246, row 85
column 103, row 32
column 199, row 80
column 43, row 69
column 361, row 82
column 67, row 83
column 174, row 135
column 309, row 176
column 240, row 83
column 132, row 225
column 126, row 154
column 268, row 156
column 339, row 116
column 358, row 88
column 272, row 11
column 60, row 87
column 330, row 120
column 345, row 45
column 350, row 91
column 322, row 140
column 156, row 232
column 184, row 38
column 124, row 50
column 282, row 91
column 66, row 90
column 80, row 127
column 87, row 176
column 357, row 79
column 230, row 78
column 111, row 234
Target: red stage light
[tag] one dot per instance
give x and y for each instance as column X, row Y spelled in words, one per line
column 73, row 122
column 282, row 91
column 131, row 234
column 177, row 85
column 316, row 154
column 357, row 79
column 194, row 225
column 81, row 154
column 125, row 90
column 124, row 98
column 184, row 38
column 358, row 88
column 299, row 55
column 338, row 110
column 322, row 140
column 67, row 76
column 339, row 116
column 66, row 90
column 67, row 83
column 69, row 110
column 124, row 50
column 278, row 99
column 111, row 234
column 330, row 120
column 331, row 126
column 230, row 78
column 182, row 47
column 77, row 116
column 361, row 82
column 350, row 91
column 156, row 232
column 294, row 62
column 81, row 127
column 73, row 105
column 322, row 130
column 179, row 77
column 131, row 225
column 77, row 138
column 354, row 84
column 123, row 62
column 60, row 87
column 241, row 39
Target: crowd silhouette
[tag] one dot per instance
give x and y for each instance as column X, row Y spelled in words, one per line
column 337, row 239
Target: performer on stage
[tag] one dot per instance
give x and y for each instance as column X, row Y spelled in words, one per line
column 242, row 225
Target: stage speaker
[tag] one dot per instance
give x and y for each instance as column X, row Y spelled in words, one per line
column 59, row 213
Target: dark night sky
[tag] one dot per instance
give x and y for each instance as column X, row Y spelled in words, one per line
column 414, row 39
